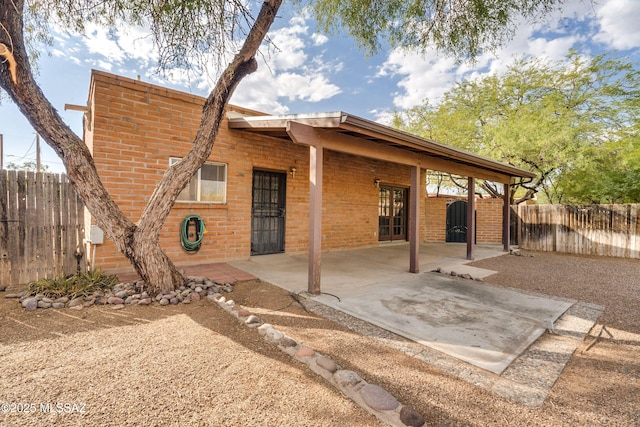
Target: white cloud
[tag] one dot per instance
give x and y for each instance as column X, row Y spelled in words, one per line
column 98, row 41
column 136, row 42
column 104, row 65
column 290, row 46
column 430, row 75
column 319, row 39
column 308, row 87
column 618, row 21
column 289, row 73
column 421, row 76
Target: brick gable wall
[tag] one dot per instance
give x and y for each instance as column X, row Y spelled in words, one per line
column 136, row 127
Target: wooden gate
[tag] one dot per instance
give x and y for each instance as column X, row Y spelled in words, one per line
column 41, row 227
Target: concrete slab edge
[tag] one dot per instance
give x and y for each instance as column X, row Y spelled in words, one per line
column 369, row 397
column 527, row 381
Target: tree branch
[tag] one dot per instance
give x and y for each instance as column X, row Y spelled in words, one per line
column 33, row 104
column 177, row 176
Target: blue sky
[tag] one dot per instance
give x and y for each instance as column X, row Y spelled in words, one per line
column 311, row 72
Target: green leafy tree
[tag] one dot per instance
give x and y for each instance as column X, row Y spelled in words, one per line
column 460, row 28
column 28, row 165
column 553, row 118
column 189, row 34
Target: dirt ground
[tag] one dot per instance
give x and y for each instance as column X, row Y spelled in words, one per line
column 196, row 365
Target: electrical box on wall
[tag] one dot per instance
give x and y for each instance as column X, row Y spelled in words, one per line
column 96, row 235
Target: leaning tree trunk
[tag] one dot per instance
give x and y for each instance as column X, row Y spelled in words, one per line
column 137, row 241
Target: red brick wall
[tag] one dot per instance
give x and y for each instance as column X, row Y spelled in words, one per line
column 488, row 219
column 136, row 127
column 435, row 212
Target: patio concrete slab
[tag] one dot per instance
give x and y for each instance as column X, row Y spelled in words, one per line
column 485, row 325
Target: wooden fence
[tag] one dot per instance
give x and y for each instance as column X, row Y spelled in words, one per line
column 41, row 227
column 608, row 230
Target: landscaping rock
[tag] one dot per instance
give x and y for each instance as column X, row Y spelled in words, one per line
column 78, row 301
column 346, row 378
column 62, row 300
column 164, row 301
column 18, row 295
column 57, row 305
column 195, row 297
column 327, row 364
column 115, row 300
column 378, row 398
column 30, row 303
column 253, row 321
column 305, row 351
column 288, row 342
column 410, row 417
column 144, row 301
column 274, row 335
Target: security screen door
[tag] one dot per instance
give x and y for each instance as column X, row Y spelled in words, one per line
column 268, row 212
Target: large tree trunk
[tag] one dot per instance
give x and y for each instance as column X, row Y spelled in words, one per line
column 137, row 241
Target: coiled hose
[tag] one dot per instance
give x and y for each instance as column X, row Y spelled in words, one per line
column 188, row 245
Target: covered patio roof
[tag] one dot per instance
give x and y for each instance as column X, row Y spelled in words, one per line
column 346, row 133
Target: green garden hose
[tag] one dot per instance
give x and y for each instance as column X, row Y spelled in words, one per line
column 189, row 245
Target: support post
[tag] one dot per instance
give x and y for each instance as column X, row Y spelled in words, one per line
column 506, row 218
column 471, row 218
column 414, row 221
column 315, row 217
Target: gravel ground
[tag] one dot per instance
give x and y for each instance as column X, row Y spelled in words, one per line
column 613, row 283
column 196, row 365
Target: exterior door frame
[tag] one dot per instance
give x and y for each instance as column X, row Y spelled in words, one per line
column 389, row 221
column 268, row 211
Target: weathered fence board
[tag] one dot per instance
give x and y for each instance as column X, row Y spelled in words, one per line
column 606, row 230
column 41, row 227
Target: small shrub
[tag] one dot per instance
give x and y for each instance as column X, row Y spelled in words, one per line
column 80, row 283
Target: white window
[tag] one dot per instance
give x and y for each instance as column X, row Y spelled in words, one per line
column 209, row 184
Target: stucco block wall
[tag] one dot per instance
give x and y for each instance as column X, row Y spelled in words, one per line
column 136, row 127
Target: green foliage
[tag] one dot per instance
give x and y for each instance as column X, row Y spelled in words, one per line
column 460, row 28
column 28, row 165
column 80, row 283
column 562, row 120
column 187, row 34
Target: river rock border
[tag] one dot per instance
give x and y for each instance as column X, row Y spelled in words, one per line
column 123, row 294
column 370, row 397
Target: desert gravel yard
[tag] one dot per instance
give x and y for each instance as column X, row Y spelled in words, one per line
column 197, row 365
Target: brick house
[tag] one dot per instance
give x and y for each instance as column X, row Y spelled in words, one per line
column 294, row 184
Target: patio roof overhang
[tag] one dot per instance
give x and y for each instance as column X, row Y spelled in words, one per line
column 340, row 131
column 343, row 132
